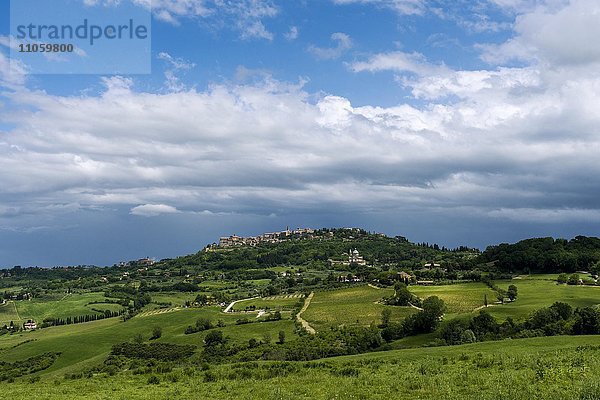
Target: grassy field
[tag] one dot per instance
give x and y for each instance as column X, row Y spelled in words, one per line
column 8, row 312
column 536, row 292
column 87, row 344
column 215, row 284
column 459, row 298
column 65, row 305
column 353, row 306
column 259, row 282
column 542, row 368
column 273, row 302
column 175, row 298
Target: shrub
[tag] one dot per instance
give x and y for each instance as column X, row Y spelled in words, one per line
column 468, row 337
column 214, row 338
column 156, row 333
column 158, row 351
column 573, row 279
column 210, row 377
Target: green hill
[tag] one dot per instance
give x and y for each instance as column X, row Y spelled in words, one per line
column 160, row 330
column 545, row 255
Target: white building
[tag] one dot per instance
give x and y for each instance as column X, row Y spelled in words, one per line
column 354, row 257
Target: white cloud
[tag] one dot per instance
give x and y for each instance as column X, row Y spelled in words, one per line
column 523, row 6
column 514, row 139
column 398, row 61
column 13, row 73
column 547, row 216
column 475, row 84
column 344, row 43
column 558, row 33
column 516, row 143
column 177, row 63
column 256, row 29
column 153, row 210
column 407, row 7
column 246, row 16
column 176, row 66
column 171, row 10
column 293, row 33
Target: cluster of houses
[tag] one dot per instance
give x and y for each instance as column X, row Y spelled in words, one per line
column 273, row 237
column 143, row 262
column 18, row 296
column 349, row 278
column 28, row 326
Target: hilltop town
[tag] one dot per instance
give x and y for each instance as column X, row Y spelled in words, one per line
column 272, row 237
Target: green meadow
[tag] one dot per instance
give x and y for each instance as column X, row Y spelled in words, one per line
column 360, row 305
column 555, row 368
column 176, row 299
column 284, row 302
column 536, row 292
column 9, row 312
column 82, row 345
column 562, row 367
column 55, row 306
column 459, row 298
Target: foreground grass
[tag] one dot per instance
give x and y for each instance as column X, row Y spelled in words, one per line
column 541, row 368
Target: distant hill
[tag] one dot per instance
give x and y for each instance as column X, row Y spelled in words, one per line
column 536, row 255
column 325, row 246
column 545, row 255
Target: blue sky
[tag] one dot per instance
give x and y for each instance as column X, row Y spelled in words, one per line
column 459, row 122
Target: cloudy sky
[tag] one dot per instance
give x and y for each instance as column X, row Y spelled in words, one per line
column 451, row 121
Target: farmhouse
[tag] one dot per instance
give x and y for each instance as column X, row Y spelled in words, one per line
column 431, row 265
column 30, row 325
column 404, row 277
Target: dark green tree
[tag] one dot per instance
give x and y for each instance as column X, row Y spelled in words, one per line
column 573, row 279
column 512, row 292
column 587, row 321
column 563, row 310
column 214, row 338
column 386, row 315
column 156, row 333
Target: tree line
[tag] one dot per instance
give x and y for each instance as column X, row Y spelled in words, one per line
column 79, row 319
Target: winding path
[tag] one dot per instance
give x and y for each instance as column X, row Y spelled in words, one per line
column 305, row 324
column 237, row 301
column 489, row 305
